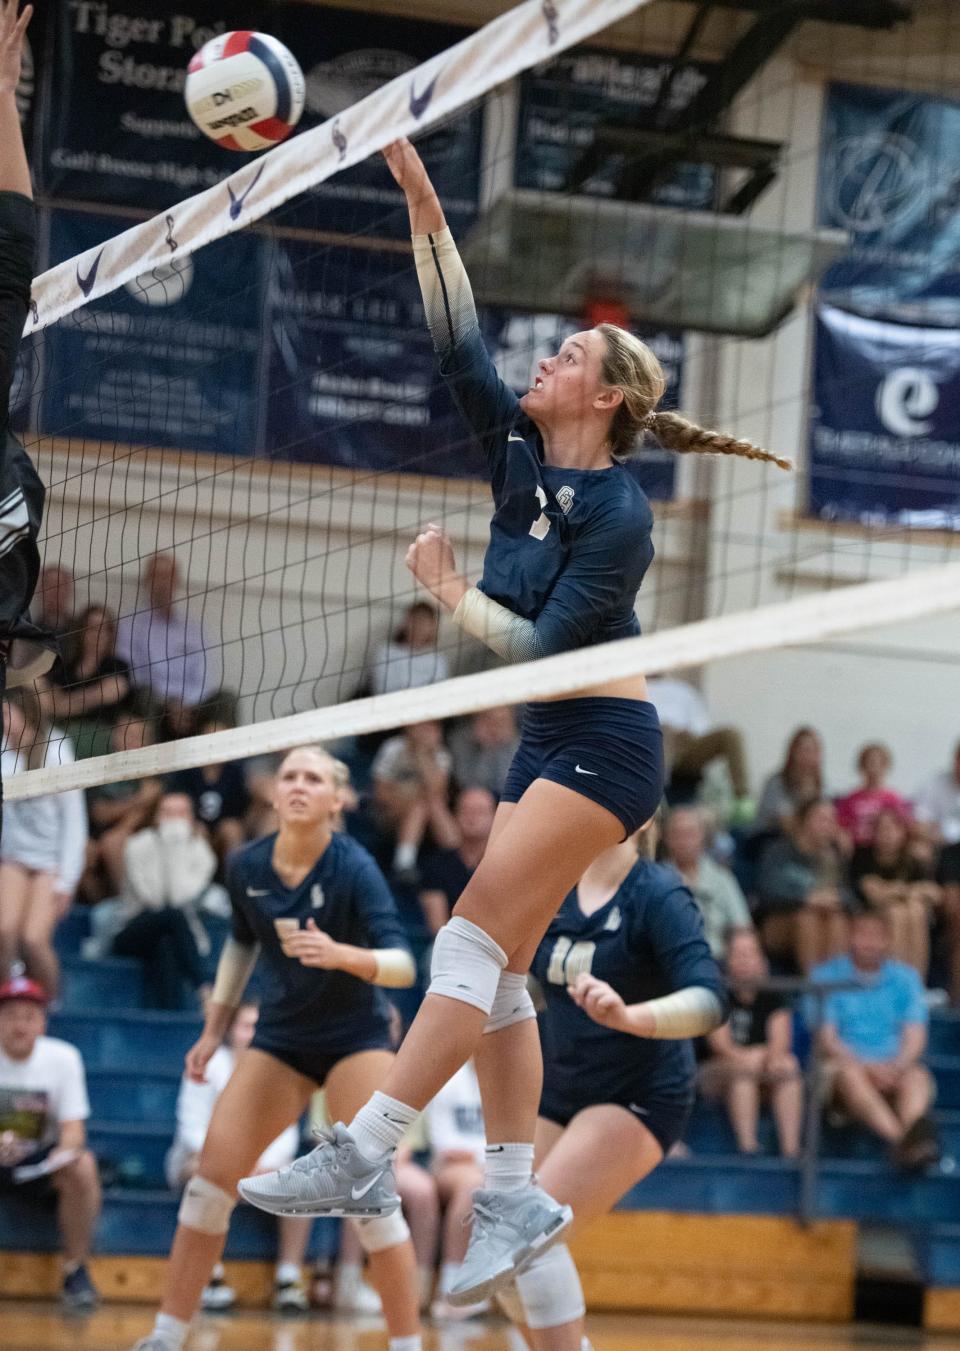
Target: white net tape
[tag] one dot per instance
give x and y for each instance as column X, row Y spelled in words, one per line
column 808, row 620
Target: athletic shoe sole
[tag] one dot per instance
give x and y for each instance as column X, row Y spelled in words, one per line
column 335, row 1211
column 476, row 1294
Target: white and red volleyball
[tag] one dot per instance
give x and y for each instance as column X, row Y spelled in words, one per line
column 244, row 90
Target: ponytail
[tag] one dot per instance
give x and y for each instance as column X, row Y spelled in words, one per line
column 676, row 433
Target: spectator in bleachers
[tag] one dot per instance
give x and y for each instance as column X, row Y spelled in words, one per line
column 411, row 658
column 169, row 868
column 937, row 802
column 796, row 782
column 715, row 889
column 457, row 1148
column 875, row 1038
column 167, row 651
column 118, row 810
column 53, row 606
column 802, row 894
column 43, row 1114
column 483, row 748
column 948, row 878
column 91, row 685
column 857, row 812
column 411, row 792
column 691, row 743
column 446, row 872
column 751, row 1054
column 43, row 848
column 887, row 875
column 219, row 792
column 195, row 1104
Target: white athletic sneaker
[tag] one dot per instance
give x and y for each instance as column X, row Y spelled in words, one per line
column 217, row 1296
column 291, row 1296
column 334, row 1179
column 510, row 1229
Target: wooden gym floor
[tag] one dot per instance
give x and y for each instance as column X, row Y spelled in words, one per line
column 26, row 1326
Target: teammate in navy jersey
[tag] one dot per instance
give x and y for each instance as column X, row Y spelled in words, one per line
column 311, row 905
column 569, row 546
column 627, row 977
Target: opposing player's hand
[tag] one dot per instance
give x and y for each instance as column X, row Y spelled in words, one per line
column 431, row 560
column 312, row 947
column 199, row 1057
column 601, row 1002
column 12, row 29
column 405, row 164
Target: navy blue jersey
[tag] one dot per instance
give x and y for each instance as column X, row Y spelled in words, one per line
column 568, row 547
column 647, row 941
column 346, row 896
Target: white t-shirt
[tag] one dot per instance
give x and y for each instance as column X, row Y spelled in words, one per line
column 41, row 1092
column 195, row 1104
column 48, row 833
column 679, row 705
column 398, row 667
column 395, row 761
column 455, row 1116
column 939, row 801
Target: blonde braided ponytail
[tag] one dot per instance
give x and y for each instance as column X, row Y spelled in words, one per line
column 630, row 366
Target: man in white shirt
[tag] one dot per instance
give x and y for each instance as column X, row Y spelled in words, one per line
column 691, row 742
column 938, row 802
column 457, row 1146
column 43, row 1111
column 167, row 651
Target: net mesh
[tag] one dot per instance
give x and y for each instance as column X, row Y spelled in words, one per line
column 258, row 404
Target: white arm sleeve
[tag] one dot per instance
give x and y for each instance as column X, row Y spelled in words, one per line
column 395, row 968
column 692, row 1012
column 447, row 295
column 507, row 634
column 234, row 969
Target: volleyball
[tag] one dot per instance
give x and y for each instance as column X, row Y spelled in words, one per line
column 244, row 90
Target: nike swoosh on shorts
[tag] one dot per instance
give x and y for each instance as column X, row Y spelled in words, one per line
column 594, row 774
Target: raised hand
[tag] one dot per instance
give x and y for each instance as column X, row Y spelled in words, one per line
column 12, row 29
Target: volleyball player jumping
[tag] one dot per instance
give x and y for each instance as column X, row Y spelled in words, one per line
column 306, row 901
column 614, row 1101
column 569, row 546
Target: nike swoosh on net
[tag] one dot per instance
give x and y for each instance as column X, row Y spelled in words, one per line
column 594, row 773
column 419, row 103
column 357, row 1192
column 86, row 283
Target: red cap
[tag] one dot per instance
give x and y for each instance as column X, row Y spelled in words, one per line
column 22, row 987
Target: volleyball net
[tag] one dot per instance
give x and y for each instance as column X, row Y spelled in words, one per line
column 243, row 386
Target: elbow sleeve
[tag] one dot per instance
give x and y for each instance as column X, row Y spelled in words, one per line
column 234, row 969
column 505, row 633
column 692, row 1012
column 447, row 294
column 395, row 968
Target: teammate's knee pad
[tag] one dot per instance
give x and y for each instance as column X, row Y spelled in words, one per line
column 205, row 1207
column 550, row 1289
column 511, row 1004
column 508, row 1297
column 384, row 1231
column 466, row 964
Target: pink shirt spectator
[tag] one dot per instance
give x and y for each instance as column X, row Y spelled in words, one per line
column 857, row 811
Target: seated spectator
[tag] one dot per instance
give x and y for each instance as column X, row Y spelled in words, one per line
column 169, row 867
column 411, row 658
column 948, row 878
column 483, row 748
column 167, row 651
column 91, row 685
column 43, row 848
column 53, row 603
column 875, row 1038
column 691, row 743
column 457, row 1145
column 43, row 1145
column 751, row 1053
column 715, row 889
column 887, row 875
column 857, row 812
column 802, row 896
column 117, row 810
column 195, row 1104
column 411, row 789
column 446, row 872
column 799, row 779
column 937, row 802
column 219, row 793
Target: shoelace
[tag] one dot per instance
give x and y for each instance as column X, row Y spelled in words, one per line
column 320, row 1154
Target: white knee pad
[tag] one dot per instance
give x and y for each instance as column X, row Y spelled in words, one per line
column 550, row 1289
column 205, row 1207
column 511, row 1004
column 466, row 964
column 508, row 1297
column 384, row 1231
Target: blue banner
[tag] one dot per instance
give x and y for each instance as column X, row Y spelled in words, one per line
column 890, row 175
column 172, row 359
column 562, row 103
column 885, row 435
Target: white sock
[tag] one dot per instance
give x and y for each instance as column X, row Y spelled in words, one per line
column 380, row 1125
column 218, row 1273
column 412, row 1343
column 586, row 1344
column 507, row 1168
column 405, row 857
column 448, row 1274
column 172, row 1330
column 287, row 1273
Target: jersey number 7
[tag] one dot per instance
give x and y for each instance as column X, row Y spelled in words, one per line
column 541, row 526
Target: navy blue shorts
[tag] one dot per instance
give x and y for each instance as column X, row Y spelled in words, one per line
column 316, row 1065
column 609, row 750
column 665, row 1118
